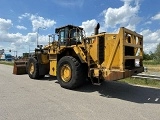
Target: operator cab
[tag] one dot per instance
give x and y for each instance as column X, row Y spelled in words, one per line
column 69, row 35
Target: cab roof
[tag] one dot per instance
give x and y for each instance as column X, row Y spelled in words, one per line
column 67, row 26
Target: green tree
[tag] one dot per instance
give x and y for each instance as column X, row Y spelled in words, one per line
column 146, row 56
column 152, row 55
column 157, row 53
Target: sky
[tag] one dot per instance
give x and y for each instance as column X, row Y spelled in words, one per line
column 21, row 20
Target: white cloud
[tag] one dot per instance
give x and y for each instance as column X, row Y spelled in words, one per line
column 149, row 47
column 125, row 15
column 5, row 24
column 69, row 3
column 148, row 22
column 31, row 37
column 21, row 27
column 1, row 47
column 156, row 17
column 151, row 36
column 151, row 39
column 89, row 26
column 12, row 45
column 15, row 37
column 24, row 15
column 12, row 40
column 17, row 41
column 43, row 40
column 38, row 21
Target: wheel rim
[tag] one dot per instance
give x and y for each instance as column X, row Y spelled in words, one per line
column 31, row 69
column 66, row 73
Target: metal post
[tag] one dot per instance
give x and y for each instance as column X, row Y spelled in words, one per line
column 16, row 54
column 37, row 36
column 38, row 33
column 29, row 49
column 50, row 36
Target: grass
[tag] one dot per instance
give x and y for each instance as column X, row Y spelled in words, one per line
column 150, row 62
column 153, row 68
column 152, row 65
column 6, row 63
column 144, row 82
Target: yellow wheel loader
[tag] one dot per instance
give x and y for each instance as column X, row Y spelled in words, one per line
column 73, row 58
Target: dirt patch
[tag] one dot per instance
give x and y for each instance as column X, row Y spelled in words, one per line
column 153, row 68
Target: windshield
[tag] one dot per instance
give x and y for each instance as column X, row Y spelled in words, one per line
column 76, row 34
column 70, row 36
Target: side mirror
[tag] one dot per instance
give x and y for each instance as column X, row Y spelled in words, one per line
column 40, row 46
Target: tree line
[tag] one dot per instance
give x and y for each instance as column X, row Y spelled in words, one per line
column 155, row 56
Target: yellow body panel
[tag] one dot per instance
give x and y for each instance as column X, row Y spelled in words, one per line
column 80, row 53
column 93, row 49
column 108, row 52
column 53, row 64
column 53, row 67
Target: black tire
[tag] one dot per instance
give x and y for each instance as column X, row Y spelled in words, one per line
column 27, row 67
column 77, row 77
column 35, row 73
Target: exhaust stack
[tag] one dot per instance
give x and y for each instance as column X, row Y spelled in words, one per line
column 96, row 29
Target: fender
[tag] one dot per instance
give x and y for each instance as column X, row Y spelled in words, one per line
column 80, row 54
